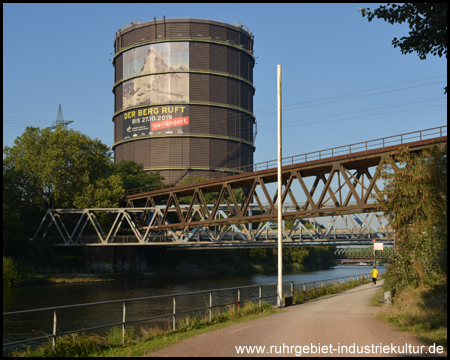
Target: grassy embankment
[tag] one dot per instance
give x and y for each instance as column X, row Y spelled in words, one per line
column 421, row 312
column 301, row 296
column 146, row 340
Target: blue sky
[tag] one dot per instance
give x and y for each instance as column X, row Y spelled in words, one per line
column 61, row 54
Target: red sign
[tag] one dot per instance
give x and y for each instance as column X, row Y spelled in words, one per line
column 373, row 240
column 159, row 125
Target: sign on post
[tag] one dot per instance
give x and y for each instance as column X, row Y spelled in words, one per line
column 378, row 246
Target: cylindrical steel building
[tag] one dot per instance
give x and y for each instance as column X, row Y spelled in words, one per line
column 184, row 96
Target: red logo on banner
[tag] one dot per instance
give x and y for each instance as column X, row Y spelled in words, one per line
column 159, row 125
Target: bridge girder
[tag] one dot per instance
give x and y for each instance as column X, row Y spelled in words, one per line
column 356, row 175
column 333, row 186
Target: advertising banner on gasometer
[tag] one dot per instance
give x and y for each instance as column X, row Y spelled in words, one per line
column 156, row 120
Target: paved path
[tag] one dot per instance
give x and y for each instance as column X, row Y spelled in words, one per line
column 340, row 319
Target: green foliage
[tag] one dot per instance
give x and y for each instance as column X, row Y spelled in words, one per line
column 11, row 276
column 295, row 255
column 133, row 174
column 114, row 335
column 427, row 23
column 104, row 193
column 261, row 255
column 320, row 258
column 190, row 322
column 70, row 345
column 301, row 296
column 421, row 312
column 414, row 199
column 54, row 166
column 59, row 169
column 13, row 234
column 82, row 344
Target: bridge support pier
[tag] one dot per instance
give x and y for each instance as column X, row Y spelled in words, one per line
column 132, row 258
column 96, row 254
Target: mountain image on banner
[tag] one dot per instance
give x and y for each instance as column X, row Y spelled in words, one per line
column 158, row 88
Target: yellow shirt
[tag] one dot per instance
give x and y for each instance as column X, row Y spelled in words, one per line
column 374, row 273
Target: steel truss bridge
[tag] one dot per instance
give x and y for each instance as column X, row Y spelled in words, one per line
column 336, row 184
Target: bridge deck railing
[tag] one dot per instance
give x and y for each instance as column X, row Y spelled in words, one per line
column 174, row 313
column 321, row 154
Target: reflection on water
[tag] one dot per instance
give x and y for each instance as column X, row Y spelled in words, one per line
column 17, row 327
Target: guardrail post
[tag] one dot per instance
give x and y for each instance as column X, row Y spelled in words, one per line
column 54, row 330
column 260, row 296
column 210, row 306
column 239, row 301
column 123, row 322
column 174, row 312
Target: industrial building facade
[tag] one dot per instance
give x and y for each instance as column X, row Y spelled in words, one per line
column 184, row 97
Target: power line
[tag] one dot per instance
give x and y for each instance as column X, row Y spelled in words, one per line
column 14, row 117
column 357, row 92
column 22, row 100
column 357, row 117
column 357, row 97
column 354, row 112
column 243, row 132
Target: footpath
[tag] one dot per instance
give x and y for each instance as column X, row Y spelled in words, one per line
column 336, row 325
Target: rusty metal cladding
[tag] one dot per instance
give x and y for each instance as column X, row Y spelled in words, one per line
column 218, row 74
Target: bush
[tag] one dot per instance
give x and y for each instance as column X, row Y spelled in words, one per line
column 11, row 275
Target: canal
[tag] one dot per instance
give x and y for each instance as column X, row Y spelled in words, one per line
column 18, row 327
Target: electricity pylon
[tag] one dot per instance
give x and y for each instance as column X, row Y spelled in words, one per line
column 60, row 120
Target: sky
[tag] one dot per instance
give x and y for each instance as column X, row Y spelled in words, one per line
column 343, row 82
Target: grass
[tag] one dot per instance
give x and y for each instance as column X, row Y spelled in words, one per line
column 374, row 300
column 145, row 340
column 421, row 312
column 301, row 296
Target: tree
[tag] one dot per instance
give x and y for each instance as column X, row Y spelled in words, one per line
column 133, row 174
column 104, row 193
column 414, row 199
column 13, row 239
column 53, row 167
column 427, row 21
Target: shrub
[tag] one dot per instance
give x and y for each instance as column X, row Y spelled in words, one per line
column 11, row 276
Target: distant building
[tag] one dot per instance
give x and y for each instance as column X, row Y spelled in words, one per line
column 184, row 96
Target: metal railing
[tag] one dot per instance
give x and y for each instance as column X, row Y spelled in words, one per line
column 420, row 135
column 174, row 313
